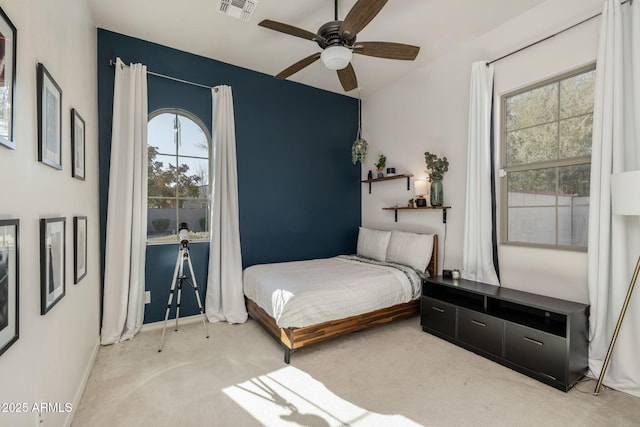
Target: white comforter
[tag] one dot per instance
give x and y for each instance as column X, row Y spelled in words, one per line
column 303, row 293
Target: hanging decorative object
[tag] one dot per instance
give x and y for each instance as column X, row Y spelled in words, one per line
column 359, row 150
column 359, row 147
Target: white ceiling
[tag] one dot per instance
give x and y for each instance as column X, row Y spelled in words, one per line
column 196, row 26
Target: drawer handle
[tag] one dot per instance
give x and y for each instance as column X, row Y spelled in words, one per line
column 475, row 322
column 531, row 340
column 438, row 309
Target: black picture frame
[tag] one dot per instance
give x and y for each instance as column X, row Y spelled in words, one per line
column 9, row 282
column 79, row 248
column 8, row 49
column 49, row 119
column 77, row 145
column 52, row 262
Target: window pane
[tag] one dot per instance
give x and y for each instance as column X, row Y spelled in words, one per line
column 576, row 94
column 573, row 224
column 548, row 126
column 161, row 202
column 196, row 214
column 193, row 141
column 532, row 225
column 532, row 188
column 575, row 136
column 178, row 182
column 531, row 145
column 193, row 177
column 533, row 107
column 160, row 133
column 574, row 182
column 161, row 220
column 161, row 180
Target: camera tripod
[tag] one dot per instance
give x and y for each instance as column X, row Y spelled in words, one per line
column 179, row 278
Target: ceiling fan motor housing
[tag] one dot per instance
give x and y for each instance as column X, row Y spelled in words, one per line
column 330, row 32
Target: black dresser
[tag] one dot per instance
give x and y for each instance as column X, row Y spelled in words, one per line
column 542, row 337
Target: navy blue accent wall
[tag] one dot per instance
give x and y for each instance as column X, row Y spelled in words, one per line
column 299, row 193
column 161, row 263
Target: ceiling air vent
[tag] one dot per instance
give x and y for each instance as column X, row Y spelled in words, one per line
column 240, row 9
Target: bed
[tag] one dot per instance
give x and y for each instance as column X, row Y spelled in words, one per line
column 305, row 302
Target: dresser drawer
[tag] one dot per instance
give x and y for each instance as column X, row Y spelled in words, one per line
column 541, row 352
column 438, row 315
column 481, row 330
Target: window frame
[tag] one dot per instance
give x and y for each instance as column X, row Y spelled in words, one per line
column 202, row 126
column 547, row 164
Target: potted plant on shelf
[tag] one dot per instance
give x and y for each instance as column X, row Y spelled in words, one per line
column 411, row 204
column 380, row 164
column 437, row 166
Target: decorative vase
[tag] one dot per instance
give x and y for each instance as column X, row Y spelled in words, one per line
column 436, row 192
column 380, row 174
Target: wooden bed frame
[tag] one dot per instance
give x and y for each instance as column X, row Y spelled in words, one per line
column 292, row 339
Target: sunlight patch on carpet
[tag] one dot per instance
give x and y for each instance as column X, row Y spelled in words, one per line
column 291, row 397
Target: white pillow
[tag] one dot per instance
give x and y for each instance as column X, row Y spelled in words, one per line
column 410, row 249
column 373, row 243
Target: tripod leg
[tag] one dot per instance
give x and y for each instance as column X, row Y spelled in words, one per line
column 195, row 288
column 617, row 329
column 173, row 286
column 181, row 278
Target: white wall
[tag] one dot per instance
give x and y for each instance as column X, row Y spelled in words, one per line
column 428, row 111
column 51, row 359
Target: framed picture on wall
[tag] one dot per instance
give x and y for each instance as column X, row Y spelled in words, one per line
column 49, row 119
column 77, row 145
column 8, row 283
column 8, row 46
column 79, row 248
column 52, row 262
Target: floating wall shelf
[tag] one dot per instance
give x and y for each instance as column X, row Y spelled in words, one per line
column 406, row 208
column 389, row 178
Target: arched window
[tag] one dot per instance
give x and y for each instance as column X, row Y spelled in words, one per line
column 179, row 148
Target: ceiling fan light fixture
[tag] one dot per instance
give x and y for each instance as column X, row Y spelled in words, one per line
column 336, row 57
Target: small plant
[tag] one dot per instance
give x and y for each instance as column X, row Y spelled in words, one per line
column 437, row 165
column 411, row 202
column 381, row 163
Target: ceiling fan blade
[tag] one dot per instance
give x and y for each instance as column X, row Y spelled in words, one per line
column 289, row 29
column 298, row 66
column 347, row 78
column 359, row 16
column 387, row 50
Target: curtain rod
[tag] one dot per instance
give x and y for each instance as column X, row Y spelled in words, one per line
column 112, row 63
column 553, row 35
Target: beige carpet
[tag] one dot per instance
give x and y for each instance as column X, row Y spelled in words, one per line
column 393, row 375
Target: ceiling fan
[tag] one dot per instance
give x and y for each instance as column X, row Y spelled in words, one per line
column 338, row 42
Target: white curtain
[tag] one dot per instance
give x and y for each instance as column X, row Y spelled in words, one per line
column 477, row 256
column 613, row 239
column 123, row 303
column 225, row 296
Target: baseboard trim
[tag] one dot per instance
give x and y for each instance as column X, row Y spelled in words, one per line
column 83, row 383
